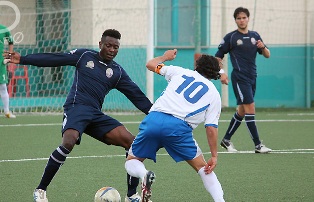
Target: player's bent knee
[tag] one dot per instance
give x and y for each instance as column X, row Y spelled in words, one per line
column 70, row 138
column 197, row 163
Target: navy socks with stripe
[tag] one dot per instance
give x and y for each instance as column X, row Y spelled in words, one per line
column 56, row 160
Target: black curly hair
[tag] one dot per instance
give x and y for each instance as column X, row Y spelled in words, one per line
column 112, row 33
column 208, row 66
column 240, row 10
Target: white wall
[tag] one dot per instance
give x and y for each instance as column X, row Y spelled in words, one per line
column 90, row 18
column 25, row 31
column 279, row 22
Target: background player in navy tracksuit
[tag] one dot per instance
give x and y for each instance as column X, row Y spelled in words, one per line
column 243, row 46
column 96, row 74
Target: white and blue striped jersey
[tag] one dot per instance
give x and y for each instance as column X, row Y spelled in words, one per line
column 189, row 96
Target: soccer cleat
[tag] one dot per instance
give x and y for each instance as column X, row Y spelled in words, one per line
column 40, row 195
column 228, row 145
column 10, row 115
column 133, row 198
column 146, row 186
column 262, row 149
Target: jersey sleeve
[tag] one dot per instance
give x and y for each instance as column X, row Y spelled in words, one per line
column 223, row 47
column 133, row 92
column 51, row 59
column 170, row 71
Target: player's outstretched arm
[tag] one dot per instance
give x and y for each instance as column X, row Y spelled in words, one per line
column 167, row 56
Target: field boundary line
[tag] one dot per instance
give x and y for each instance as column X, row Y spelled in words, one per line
column 138, row 122
column 284, row 151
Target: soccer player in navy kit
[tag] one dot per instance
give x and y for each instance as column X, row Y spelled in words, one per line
column 96, row 74
column 242, row 46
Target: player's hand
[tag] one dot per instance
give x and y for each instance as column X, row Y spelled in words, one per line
column 170, row 54
column 260, row 44
column 211, row 164
column 224, row 78
column 12, row 57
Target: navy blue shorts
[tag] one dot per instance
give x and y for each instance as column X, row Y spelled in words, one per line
column 88, row 120
column 243, row 88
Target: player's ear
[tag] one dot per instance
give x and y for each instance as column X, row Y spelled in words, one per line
column 100, row 45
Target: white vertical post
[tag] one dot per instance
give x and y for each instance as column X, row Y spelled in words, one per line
column 224, row 88
column 150, row 50
column 308, row 54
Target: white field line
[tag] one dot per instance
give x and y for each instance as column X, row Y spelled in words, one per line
column 294, row 151
column 286, row 151
column 137, row 122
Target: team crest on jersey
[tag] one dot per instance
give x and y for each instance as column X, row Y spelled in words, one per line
column 253, row 41
column 109, row 72
column 90, row 64
column 239, row 42
column 73, row 51
column 221, row 43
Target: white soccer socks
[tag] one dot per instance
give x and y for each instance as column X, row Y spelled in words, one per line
column 212, row 185
column 135, row 168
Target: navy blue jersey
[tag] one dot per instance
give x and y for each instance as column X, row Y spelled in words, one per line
column 93, row 79
column 242, row 49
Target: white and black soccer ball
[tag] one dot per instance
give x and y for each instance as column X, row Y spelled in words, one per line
column 107, row 194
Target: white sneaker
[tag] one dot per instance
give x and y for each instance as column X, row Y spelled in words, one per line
column 133, row 198
column 40, row 195
column 146, row 186
column 228, row 145
column 10, row 115
column 262, row 149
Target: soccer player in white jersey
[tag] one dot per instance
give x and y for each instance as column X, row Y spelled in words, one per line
column 189, row 99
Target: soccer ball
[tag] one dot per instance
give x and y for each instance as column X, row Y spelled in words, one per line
column 107, row 194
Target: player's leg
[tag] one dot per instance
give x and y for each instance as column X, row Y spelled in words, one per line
column 210, row 181
column 234, row 124
column 120, row 136
column 248, row 93
column 237, row 118
column 112, row 132
column 70, row 136
column 182, row 147
column 252, row 128
column 3, row 90
column 4, row 97
column 145, row 145
column 136, row 168
column 56, row 160
column 249, row 117
column 248, row 109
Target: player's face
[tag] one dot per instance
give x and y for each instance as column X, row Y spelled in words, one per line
column 242, row 21
column 109, row 48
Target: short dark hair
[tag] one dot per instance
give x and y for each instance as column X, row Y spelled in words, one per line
column 208, row 66
column 239, row 10
column 112, row 33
